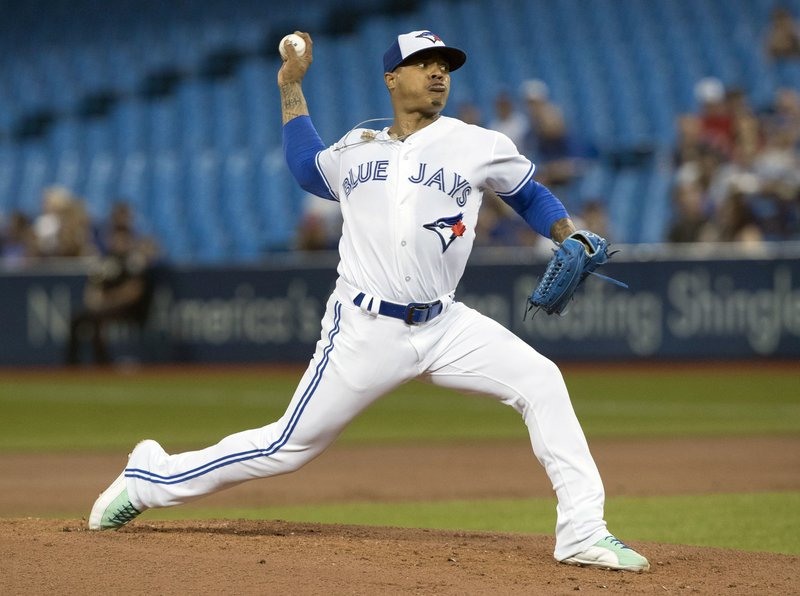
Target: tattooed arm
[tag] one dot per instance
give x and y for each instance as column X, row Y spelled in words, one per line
column 293, row 102
column 301, row 143
column 290, row 79
column 562, row 229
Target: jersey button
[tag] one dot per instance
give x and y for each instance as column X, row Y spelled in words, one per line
column 403, row 243
column 408, row 278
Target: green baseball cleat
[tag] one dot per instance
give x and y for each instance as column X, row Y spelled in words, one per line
column 113, row 508
column 610, row 553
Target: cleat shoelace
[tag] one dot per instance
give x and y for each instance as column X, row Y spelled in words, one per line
column 123, row 515
column 617, row 542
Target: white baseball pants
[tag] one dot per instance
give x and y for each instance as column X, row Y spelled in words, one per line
column 361, row 357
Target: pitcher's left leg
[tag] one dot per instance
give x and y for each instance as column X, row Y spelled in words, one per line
column 477, row 355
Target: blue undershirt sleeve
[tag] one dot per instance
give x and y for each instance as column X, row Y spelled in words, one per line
column 301, row 145
column 537, row 206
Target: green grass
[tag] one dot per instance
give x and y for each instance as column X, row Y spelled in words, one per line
column 52, row 411
column 768, row 522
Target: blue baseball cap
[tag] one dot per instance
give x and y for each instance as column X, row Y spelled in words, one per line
column 408, row 44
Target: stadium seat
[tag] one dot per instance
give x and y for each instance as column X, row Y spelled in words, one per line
column 36, row 174
column 621, row 70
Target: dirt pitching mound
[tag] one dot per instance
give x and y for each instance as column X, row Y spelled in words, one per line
column 275, row 557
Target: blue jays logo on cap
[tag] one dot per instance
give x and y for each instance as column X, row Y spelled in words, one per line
column 448, row 229
column 432, row 37
column 408, row 44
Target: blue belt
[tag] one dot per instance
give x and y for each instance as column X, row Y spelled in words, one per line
column 413, row 314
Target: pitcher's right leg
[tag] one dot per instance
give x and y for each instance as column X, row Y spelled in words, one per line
column 355, row 363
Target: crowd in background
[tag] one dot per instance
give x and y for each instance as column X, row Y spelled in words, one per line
column 737, row 176
column 738, row 169
column 539, row 129
column 64, row 229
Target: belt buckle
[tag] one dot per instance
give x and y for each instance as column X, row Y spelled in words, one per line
column 412, row 308
column 417, row 306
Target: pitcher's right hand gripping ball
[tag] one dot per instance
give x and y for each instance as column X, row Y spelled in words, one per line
column 576, row 257
column 295, row 40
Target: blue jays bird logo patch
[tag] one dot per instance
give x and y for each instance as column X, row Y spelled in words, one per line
column 448, row 229
column 431, row 37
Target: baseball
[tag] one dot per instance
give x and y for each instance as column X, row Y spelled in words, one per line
column 298, row 43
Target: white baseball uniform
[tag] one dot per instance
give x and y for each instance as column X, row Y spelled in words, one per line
column 410, row 210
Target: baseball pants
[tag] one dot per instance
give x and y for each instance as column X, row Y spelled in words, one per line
column 361, row 357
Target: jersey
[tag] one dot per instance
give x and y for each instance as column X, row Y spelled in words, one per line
column 410, row 208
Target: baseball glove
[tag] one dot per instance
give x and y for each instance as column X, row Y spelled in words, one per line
column 574, row 259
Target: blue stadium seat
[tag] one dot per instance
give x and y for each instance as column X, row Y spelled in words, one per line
column 279, row 202
column 596, row 183
column 67, row 170
column 261, row 106
column 166, row 212
column 66, row 135
column 134, row 183
column 98, row 188
column 657, row 215
column 227, row 116
column 195, row 114
column 128, row 126
column 239, row 204
column 126, row 73
column 9, row 177
column 209, row 154
column 622, row 202
column 162, row 124
column 36, row 171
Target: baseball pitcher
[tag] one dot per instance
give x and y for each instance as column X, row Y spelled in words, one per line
column 410, row 195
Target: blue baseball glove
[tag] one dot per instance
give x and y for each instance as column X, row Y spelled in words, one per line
column 574, row 259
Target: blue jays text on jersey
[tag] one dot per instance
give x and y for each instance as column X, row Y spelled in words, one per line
column 450, row 183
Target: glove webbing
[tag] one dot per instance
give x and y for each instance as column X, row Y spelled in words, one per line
column 622, row 284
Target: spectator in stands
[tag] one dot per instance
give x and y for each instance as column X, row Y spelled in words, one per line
column 700, row 174
column 750, row 193
column 716, row 123
column 117, row 289
column 122, row 215
column 741, row 163
column 785, row 115
column 18, row 246
column 783, row 37
column 690, row 142
column 778, row 162
column 777, row 167
column 64, row 228
column 508, row 120
column 75, row 236
column 47, row 226
column 734, row 220
column 690, row 216
column 547, row 141
column 320, row 225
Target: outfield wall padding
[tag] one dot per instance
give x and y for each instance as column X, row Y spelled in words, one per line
column 675, row 309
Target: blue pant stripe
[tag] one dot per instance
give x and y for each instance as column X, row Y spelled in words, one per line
column 253, row 453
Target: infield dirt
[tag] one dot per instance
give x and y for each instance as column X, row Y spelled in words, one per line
column 40, row 556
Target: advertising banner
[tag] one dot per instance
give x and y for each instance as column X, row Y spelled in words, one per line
column 673, row 309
